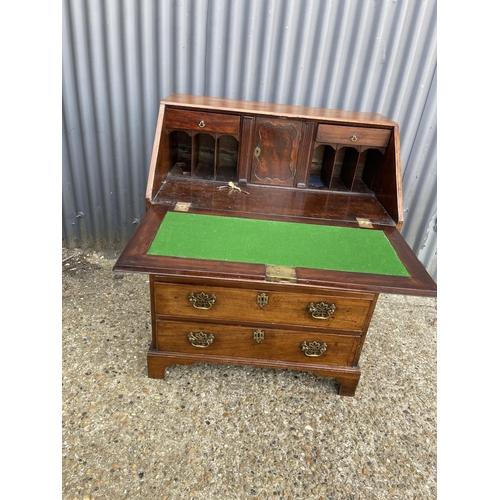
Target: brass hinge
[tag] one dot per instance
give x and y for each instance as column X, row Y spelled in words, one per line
column 281, row 273
column 182, row 206
column 364, row 222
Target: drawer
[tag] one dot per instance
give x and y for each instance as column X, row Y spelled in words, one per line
column 355, row 136
column 349, row 312
column 202, row 122
column 240, row 342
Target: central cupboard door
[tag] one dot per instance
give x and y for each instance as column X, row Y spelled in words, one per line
column 275, row 151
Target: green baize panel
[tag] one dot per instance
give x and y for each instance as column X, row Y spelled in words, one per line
column 293, row 244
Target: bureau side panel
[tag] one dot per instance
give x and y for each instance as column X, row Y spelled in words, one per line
column 153, row 312
column 365, row 332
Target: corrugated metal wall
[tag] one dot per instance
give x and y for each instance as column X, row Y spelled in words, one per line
column 121, row 57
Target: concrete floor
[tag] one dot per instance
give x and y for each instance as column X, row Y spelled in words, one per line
column 226, row 432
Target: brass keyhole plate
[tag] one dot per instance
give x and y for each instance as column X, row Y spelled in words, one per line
column 262, row 300
column 258, row 336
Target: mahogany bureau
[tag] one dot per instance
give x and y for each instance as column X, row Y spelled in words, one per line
column 269, row 233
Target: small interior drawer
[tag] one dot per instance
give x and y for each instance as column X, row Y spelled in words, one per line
column 255, row 343
column 350, row 311
column 202, row 122
column 355, row 136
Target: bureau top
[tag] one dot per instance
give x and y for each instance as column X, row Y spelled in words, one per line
column 278, row 110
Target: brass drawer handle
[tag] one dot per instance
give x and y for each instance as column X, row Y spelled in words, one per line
column 354, row 138
column 256, row 152
column 321, row 310
column 200, row 339
column 313, row 349
column 201, row 124
column 202, row 300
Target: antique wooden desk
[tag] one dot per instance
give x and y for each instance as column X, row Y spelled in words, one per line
column 269, row 233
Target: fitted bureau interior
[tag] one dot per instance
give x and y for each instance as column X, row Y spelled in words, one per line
column 248, row 149
column 343, row 169
column 211, row 157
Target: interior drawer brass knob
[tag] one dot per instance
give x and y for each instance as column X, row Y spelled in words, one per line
column 200, row 339
column 321, row 310
column 313, row 349
column 202, row 300
column 201, row 124
column 354, row 138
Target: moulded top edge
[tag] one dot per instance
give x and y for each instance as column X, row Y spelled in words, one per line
column 278, row 110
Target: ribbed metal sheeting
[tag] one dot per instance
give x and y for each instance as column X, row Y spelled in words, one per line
column 121, row 57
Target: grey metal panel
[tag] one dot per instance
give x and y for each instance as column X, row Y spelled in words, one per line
column 121, row 57
column 420, row 187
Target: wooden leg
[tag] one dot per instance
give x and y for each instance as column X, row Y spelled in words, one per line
column 159, row 360
column 348, row 379
column 348, row 384
column 156, row 367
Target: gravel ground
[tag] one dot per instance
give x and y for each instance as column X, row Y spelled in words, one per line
column 227, row 432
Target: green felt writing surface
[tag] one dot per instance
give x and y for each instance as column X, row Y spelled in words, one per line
column 293, row 244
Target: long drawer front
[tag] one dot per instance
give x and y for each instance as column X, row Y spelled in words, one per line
column 254, row 343
column 344, row 312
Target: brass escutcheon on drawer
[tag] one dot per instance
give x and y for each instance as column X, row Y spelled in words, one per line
column 200, row 339
column 258, row 335
column 262, row 299
column 313, row 349
column 202, row 300
column 320, row 310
